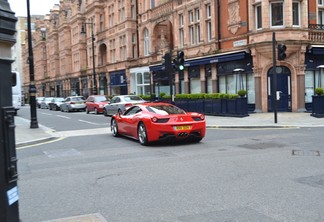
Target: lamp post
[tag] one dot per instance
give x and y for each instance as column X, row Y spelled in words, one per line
column 32, row 88
column 83, row 31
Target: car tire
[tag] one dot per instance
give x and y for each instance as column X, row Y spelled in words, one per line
column 87, row 111
column 142, row 134
column 114, row 128
column 105, row 112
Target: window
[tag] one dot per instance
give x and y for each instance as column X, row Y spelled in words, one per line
column 121, row 10
column 101, row 23
column 194, row 26
column 112, row 51
column 134, row 46
column 234, row 82
column 320, row 16
column 122, row 47
column 208, row 23
column 296, row 13
column 143, row 83
column 111, row 15
column 321, row 2
column 181, row 31
column 258, row 17
column 133, row 9
column 276, row 11
column 146, row 43
column 152, row 4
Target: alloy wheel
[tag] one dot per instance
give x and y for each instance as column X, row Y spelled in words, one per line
column 114, row 128
column 142, row 134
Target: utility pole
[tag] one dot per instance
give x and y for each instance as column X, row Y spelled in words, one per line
column 32, row 87
column 8, row 161
column 274, row 77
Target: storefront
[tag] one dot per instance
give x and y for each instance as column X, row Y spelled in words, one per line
column 314, row 74
column 140, row 79
column 118, row 83
column 103, row 84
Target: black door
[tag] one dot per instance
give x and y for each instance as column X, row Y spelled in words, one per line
column 283, row 90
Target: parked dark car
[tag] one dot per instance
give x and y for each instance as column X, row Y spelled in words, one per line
column 56, row 103
column 95, row 103
column 121, row 103
column 73, row 103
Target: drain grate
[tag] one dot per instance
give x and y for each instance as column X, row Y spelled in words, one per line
column 306, row 153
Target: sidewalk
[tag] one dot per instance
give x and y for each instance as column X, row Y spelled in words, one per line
column 27, row 136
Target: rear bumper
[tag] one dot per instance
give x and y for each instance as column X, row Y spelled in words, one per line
column 163, row 132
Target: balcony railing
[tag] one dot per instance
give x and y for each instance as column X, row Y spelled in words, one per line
column 316, row 32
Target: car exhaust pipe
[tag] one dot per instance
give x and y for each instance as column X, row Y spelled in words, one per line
column 182, row 134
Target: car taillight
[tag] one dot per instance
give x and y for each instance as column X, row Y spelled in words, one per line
column 72, row 102
column 128, row 104
column 199, row 118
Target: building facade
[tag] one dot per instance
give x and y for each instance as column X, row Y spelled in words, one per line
column 228, row 46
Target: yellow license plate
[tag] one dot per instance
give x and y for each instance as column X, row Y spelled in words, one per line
column 182, row 127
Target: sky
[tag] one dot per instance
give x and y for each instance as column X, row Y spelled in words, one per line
column 37, row 7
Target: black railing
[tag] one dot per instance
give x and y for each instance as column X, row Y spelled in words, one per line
column 316, row 26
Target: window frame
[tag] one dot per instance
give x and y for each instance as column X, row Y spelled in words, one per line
column 282, row 13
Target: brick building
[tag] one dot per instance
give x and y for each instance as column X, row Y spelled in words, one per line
column 228, row 46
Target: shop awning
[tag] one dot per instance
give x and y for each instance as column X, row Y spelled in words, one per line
column 223, row 57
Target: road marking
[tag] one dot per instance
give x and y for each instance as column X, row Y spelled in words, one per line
column 63, row 117
column 38, row 144
column 47, row 114
column 97, row 124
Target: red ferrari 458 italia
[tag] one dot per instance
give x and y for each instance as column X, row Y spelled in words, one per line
column 157, row 121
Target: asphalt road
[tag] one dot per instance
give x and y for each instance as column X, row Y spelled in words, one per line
column 232, row 175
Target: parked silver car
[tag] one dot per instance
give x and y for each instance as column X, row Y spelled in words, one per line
column 121, row 103
column 45, row 102
column 39, row 101
column 56, row 103
column 73, row 103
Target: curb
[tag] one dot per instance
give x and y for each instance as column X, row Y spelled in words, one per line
column 37, row 141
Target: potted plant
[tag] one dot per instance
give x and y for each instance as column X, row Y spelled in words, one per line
column 318, row 103
column 241, row 92
column 319, row 91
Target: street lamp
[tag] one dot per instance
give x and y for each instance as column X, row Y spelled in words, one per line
column 83, row 31
column 32, row 88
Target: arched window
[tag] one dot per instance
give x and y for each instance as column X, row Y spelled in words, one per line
column 146, row 43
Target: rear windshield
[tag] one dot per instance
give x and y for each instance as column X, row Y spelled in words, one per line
column 100, row 99
column 76, row 99
column 59, row 99
column 132, row 98
column 165, row 109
